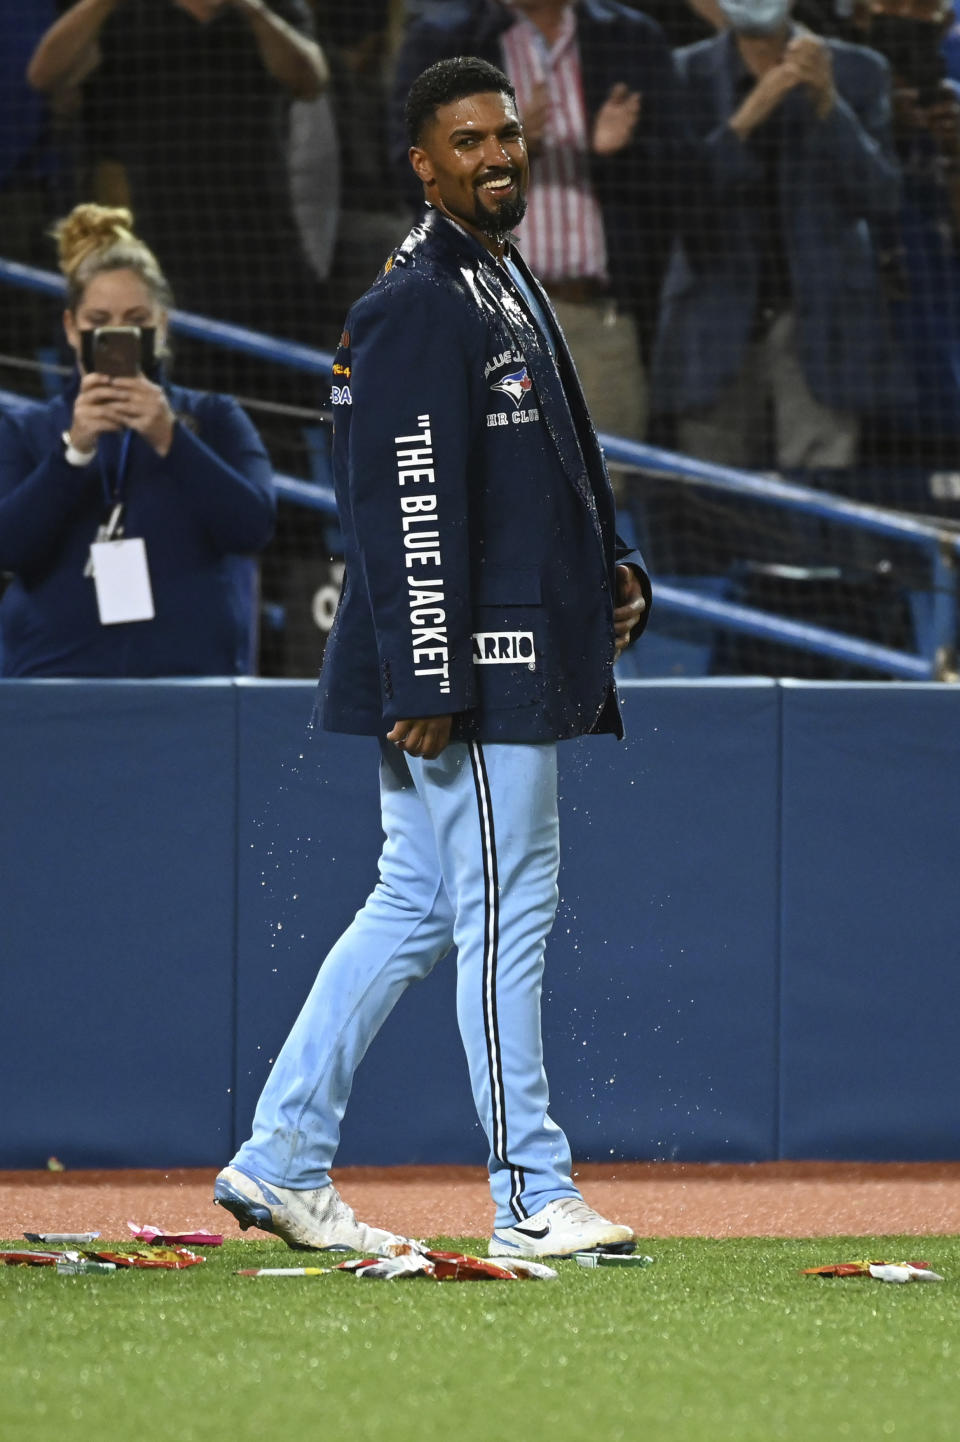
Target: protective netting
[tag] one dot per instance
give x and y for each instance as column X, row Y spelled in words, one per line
column 750, row 235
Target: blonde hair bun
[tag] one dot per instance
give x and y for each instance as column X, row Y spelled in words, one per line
column 90, row 228
column 97, row 238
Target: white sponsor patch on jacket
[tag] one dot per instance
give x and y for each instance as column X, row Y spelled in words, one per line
column 506, row 357
column 504, row 648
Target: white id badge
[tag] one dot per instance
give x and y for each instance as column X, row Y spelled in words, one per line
column 122, row 579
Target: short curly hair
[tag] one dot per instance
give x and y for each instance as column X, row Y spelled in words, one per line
column 447, row 81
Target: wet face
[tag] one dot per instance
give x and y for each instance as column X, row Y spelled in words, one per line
column 115, row 297
column 472, row 160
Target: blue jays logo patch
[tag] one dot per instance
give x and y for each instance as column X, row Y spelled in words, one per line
column 517, row 385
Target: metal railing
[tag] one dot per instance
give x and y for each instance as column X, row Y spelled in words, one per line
column 939, row 543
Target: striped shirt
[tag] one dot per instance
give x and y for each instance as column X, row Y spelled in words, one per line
column 561, row 235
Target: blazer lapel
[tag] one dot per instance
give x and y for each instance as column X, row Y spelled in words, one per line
column 565, row 413
column 544, row 371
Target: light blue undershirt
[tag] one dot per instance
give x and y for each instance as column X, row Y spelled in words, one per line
column 537, row 312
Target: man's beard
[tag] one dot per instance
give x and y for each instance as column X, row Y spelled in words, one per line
column 496, row 224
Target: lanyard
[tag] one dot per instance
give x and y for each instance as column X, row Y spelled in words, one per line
column 113, row 494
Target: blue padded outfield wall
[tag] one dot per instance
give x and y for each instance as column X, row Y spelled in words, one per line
column 755, row 954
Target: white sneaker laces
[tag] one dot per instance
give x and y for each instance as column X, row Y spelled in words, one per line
column 575, row 1210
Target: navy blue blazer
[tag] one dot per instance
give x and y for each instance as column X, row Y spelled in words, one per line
column 202, row 510
column 476, row 509
column 837, row 178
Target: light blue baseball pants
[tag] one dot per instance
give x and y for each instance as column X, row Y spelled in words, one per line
column 470, row 860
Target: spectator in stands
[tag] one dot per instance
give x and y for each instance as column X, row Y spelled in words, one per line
column 951, row 42
column 599, row 102
column 684, row 23
column 373, row 218
column 191, row 97
column 923, row 250
column 135, row 457
column 30, row 169
column 773, row 294
column 26, row 159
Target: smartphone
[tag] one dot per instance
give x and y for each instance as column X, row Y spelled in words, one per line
column 115, row 350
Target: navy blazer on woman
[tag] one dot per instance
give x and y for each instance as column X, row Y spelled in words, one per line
column 202, row 510
column 477, row 513
column 837, row 177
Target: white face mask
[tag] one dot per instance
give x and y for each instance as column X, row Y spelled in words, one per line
column 756, row 17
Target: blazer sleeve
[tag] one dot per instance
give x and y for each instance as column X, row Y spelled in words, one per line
column 852, row 148
column 412, row 426
column 38, row 498
column 726, row 164
column 225, row 476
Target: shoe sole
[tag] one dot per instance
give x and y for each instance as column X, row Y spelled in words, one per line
column 246, row 1211
column 620, row 1248
column 249, row 1213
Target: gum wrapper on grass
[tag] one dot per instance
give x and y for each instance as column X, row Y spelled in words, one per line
column 71, row 1265
column 283, row 1272
column 155, row 1235
column 166, row 1258
column 448, row 1267
column 879, row 1271
column 48, row 1237
column 30, row 1259
column 612, row 1259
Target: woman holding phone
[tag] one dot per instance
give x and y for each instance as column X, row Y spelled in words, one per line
column 130, row 508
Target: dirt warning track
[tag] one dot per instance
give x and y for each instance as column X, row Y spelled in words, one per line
column 658, row 1199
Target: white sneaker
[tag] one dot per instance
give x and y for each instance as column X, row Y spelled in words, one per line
column 316, row 1220
column 559, row 1229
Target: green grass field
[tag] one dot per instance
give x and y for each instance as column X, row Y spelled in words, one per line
column 719, row 1340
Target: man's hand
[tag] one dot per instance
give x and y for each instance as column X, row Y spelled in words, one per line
column 810, row 58
column 144, row 407
column 629, row 609
column 424, row 736
column 764, row 98
column 616, row 120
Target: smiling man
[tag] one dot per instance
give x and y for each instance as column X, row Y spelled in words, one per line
column 486, row 597
column 598, row 98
